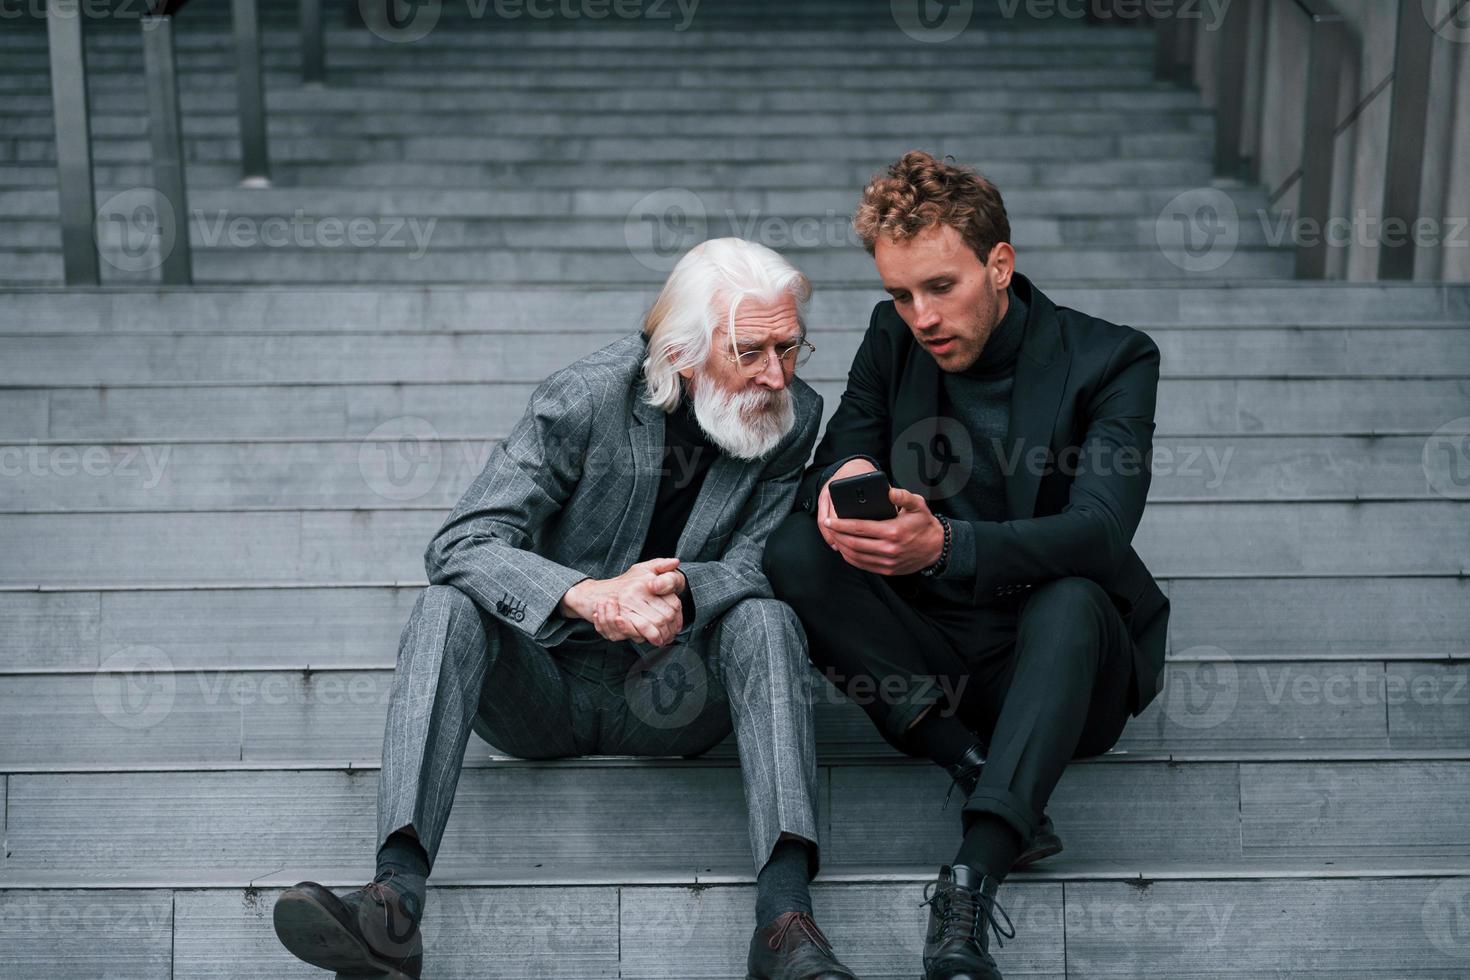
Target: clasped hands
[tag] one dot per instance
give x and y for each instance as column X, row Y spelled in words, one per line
column 642, row 604
column 900, row 546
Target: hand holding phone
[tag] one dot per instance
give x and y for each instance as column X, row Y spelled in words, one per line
column 864, row 497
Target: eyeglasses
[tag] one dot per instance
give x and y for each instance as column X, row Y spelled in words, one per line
column 753, row 362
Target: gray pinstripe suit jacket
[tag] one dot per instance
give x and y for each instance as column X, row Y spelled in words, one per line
column 570, row 494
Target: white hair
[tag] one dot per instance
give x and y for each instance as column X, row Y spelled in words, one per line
column 704, row 290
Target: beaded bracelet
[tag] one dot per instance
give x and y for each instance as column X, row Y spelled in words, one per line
column 938, row 566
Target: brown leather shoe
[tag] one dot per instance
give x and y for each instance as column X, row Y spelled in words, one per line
column 793, row 948
column 367, row 932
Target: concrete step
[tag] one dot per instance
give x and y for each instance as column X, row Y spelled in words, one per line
column 356, row 625
column 688, row 21
column 720, row 175
column 193, row 37
column 740, row 204
column 1193, row 407
column 155, row 825
column 196, row 65
column 299, row 121
column 403, row 258
column 553, row 79
column 793, row 232
column 1375, row 538
column 411, row 467
column 446, row 148
column 353, row 625
column 168, row 359
column 655, row 100
column 1174, row 921
column 139, row 711
column 572, row 308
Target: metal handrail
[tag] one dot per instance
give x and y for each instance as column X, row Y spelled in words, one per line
column 1408, row 127
column 1330, row 44
column 73, row 142
column 1328, row 48
column 79, row 217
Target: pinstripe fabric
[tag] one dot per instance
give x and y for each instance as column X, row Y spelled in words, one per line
column 460, row 670
column 570, row 494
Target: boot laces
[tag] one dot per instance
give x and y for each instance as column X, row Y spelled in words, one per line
column 394, row 905
column 956, row 781
column 966, row 912
column 807, row 925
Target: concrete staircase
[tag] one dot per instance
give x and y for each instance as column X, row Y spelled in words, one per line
column 214, row 504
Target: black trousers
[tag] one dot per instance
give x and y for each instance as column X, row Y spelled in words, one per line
column 1041, row 679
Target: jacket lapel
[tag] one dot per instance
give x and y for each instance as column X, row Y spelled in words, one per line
column 1041, row 377
column 646, row 438
column 727, row 482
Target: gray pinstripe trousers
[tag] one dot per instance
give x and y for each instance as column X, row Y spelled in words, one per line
column 460, row 668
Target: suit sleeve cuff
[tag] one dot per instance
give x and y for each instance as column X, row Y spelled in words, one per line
column 962, row 561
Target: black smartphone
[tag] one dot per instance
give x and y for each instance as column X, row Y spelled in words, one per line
column 862, row 498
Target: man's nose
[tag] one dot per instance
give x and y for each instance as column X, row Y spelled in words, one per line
column 926, row 315
column 772, row 375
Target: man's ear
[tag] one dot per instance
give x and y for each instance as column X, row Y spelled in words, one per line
column 1002, row 264
column 673, row 356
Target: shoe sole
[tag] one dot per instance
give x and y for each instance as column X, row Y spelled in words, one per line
column 1042, row 847
column 313, row 935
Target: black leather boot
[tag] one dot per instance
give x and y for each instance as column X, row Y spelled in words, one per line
column 962, row 910
column 966, row 776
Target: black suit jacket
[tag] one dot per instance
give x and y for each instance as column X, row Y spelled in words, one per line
column 1080, row 438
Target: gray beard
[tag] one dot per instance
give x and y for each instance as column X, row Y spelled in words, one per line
column 747, row 424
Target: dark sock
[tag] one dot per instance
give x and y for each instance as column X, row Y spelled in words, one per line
column 942, row 738
column 781, row 886
column 405, row 857
column 991, row 846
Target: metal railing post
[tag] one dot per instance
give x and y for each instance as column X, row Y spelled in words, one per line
column 1403, row 177
column 255, row 162
column 1328, row 44
column 313, row 52
column 64, row 29
column 1232, row 57
column 165, row 131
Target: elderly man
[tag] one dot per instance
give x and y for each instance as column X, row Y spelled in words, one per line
column 605, row 563
column 1016, row 435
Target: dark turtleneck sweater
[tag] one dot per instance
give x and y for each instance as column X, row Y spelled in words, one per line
column 688, row 454
column 979, row 399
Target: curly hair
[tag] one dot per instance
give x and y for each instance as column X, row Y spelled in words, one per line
column 919, row 192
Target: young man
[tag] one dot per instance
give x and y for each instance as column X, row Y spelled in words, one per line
column 1016, row 435
column 609, row 553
